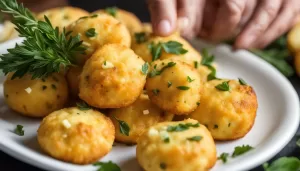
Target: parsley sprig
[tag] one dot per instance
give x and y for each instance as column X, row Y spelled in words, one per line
column 107, row 166
column 172, row 47
column 44, row 51
column 283, row 164
column 124, row 127
column 155, row 72
column 19, row 130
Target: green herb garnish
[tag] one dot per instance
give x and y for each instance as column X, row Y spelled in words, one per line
column 140, row 37
column 195, row 138
column 91, row 32
column 124, row 128
column 156, row 72
column 283, row 164
column 223, row 157
column 163, row 166
column 83, row 106
column 45, row 50
column 207, row 59
column 189, row 79
column 169, row 84
column 242, row 82
column 183, row 87
column 198, row 103
column 145, row 68
column 155, row 92
column 239, row 150
column 224, row 86
column 212, row 75
column 196, row 64
column 182, row 127
column 94, row 16
column 111, row 11
column 171, row 47
column 19, row 130
column 107, row 166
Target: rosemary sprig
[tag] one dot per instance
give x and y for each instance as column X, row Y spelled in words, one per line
column 44, row 51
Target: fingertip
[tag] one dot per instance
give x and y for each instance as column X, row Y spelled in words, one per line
column 163, row 28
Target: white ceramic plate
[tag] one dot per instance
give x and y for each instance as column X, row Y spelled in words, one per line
column 276, row 122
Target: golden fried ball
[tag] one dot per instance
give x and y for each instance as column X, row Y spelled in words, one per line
column 76, row 136
column 62, row 16
column 38, row 97
column 147, row 27
column 176, row 89
column 227, row 114
column 139, row 116
column 293, row 41
column 143, row 50
column 112, row 77
column 97, row 30
column 131, row 21
column 297, row 63
column 164, row 148
column 73, row 80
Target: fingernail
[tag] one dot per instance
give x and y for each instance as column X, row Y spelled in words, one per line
column 164, row 27
column 182, row 23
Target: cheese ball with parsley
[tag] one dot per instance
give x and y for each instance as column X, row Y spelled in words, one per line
column 174, row 86
column 173, row 47
column 72, row 77
column 127, row 18
column 36, row 97
column 97, row 30
column 227, row 109
column 62, row 16
column 76, row 136
column 139, row 117
column 112, row 77
column 173, row 146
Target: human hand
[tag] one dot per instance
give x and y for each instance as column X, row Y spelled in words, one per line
column 259, row 22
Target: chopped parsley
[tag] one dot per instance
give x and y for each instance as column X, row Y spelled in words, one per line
column 124, row 128
column 242, row 82
column 107, row 166
column 283, row 164
column 195, row 138
column 224, row 86
column 140, row 37
column 91, row 32
column 111, row 11
column 163, row 166
column 183, row 87
column 223, row 157
column 196, row 64
column 83, row 106
column 94, row 16
column 53, row 86
column 155, row 92
column 182, row 127
column 212, row 74
column 189, row 79
column 216, row 126
column 44, row 87
column 169, row 84
column 19, row 130
column 156, row 72
column 198, row 103
column 145, row 68
column 239, row 150
column 207, row 59
column 172, row 47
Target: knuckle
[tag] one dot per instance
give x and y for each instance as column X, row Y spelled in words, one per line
column 271, row 10
column 236, row 7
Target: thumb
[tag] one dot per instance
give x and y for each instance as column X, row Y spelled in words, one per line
column 163, row 16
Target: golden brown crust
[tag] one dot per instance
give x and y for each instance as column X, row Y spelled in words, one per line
column 89, row 137
column 72, row 77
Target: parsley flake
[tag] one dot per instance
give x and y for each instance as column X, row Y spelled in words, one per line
column 239, row 150
column 223, row 157
column 19, row 130
column 53, row 86
column 91, row 32
column 207, row 59
column 94, row 16
column 195, row 138
column 196, row 64
column 171, row 47
column 212, row 74
column 224, row 86
column 156, row 72
column 198, row 103
column 124, row 128
column 155, row 92
column 145, row 68
column 107, row 166
column 242, row 82
column 189, row 79
column 182, row 127
column 183, row 87
column 163, row 166
column 111, row 11
column 83, row 106
column 140, row 37
column 169, row 84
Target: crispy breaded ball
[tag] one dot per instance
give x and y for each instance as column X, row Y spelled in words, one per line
column 62, row 16
column 139, row 116
column 293, row 41
column 38, row 97
column 131, row 21
column 97, row 30
column 229, row 114
column 147, row 27
column 112, row 77
column 143, row 50
column 297, row 63
column 173, row 146
column 73, row 80
column 76, row 136
column 174, row 86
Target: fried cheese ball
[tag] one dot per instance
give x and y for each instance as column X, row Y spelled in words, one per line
column 112, row 77
column 97, row 30
column 174, row 86
column 38, row 97
column 228, row 115
column 62, row 16
column 139, row 116
column 130, row 20
column 76, row 136
column 297, row 63
column 143, row 50
column 72, row 77
column 173, row 146
column 293, row 41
